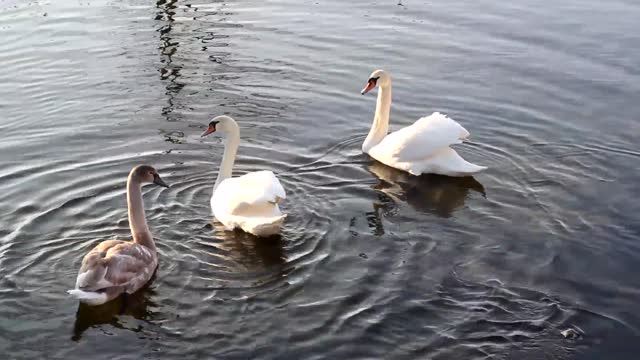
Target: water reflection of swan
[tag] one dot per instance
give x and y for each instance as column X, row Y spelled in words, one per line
column 435, row 194
column 251, row 253
column 135, row 305
column 168, row 47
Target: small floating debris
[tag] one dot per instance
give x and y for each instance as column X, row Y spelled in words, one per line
column 363, row 255
column 174, row 137
column 573, row 332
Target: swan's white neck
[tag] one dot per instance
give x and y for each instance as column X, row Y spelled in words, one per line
column 137, row 219
column 380, row 126
column 229, row 157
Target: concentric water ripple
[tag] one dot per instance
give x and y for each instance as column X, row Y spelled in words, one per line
column 371, row 263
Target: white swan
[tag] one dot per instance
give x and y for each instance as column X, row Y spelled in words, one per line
column 250, row 201
column 420, row 148
column 115, row 267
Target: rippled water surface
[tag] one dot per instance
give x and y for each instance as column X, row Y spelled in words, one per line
column 372, row 263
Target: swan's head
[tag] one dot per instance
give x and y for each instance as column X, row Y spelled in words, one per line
column 147, row 174
column 222, row 123
column 378, row 77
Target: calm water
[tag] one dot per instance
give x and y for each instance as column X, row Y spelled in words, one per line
column 372, row 263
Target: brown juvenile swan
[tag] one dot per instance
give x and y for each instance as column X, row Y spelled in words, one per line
column 115, row 267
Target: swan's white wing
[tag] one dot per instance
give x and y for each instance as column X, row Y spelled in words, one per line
column 253, row 194
column 424, row 138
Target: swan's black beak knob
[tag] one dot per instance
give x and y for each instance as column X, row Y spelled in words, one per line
column 158, row 181
column 370, row 85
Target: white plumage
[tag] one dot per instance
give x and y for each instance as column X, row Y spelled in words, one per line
column 423, row 147
column 89, row 297
column 250, row 201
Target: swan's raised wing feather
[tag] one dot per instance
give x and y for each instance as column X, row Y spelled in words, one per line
column 422, row 139
column 248, row 195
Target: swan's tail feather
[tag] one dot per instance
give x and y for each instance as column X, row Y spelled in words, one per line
column 263, row 226
column 446, row 162
column 472, row 169
column 89, row 297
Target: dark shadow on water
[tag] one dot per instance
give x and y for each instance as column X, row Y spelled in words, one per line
column 251, row 252
column 433, row 194
column 135, row 305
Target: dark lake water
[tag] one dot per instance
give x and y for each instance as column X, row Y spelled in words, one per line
column 372, row 263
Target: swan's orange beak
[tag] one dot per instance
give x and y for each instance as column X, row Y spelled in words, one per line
column 210, row 129
column 370, row 85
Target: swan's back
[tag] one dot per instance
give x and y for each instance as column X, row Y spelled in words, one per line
column 250, row 202
column 423, row 138
column 114, row 267
column 423, row 147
